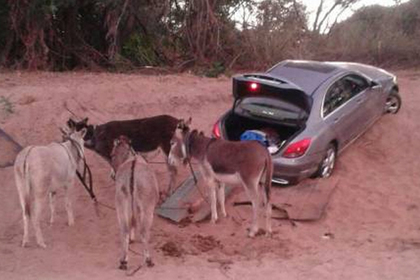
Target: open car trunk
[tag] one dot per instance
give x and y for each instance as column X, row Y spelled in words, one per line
column 268, row 109
column 277, row 134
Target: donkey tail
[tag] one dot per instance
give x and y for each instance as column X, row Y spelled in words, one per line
column 23, row 182
column 268, row 176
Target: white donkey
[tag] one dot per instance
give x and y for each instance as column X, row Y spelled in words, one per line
column 136, row 196
column 39, row 173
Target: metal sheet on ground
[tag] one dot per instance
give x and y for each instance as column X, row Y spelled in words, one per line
column 306, row 201
column 178, row 206
column 189, row 201
column 9, row 149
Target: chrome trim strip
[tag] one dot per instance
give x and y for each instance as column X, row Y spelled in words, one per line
column 279, row 181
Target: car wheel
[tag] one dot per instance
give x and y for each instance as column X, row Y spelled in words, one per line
column 327, row 164
column 393, row 103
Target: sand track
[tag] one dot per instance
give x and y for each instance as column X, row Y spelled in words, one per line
column 374, row 216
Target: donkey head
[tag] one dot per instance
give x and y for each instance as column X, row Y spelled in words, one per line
column 179, row 145
column 73, row 125
column 121, row 150
column 77, row 137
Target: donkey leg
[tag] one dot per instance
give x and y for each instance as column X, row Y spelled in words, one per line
column 36, row 221
column 146, row 225
column 51, row 197
column 268, row 211
column 26, row 217
column 172, row 178
column 135, row 222
column 212, row 189
column 253, row 195
column 123, row 214
column 254, row 224
column 68, row 204
column 24, row 203
column 221, row 197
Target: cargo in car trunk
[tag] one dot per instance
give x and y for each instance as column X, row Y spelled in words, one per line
column 277, row 134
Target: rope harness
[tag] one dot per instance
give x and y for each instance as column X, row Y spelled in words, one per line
column 187, row 144
column 86, row 169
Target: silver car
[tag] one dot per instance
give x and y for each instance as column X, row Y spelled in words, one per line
column 307, row 112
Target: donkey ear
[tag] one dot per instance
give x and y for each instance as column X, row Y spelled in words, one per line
column 85, row 121
column 181, row 124
column 71, row 123
column 188, row 122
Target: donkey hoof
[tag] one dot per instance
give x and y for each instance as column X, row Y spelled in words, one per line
column 214, row 220
column 252, row 233
column 42, row 245
column 123, row 265
column 150, row 263
column 24, row 243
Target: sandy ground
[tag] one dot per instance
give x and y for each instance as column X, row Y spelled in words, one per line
column 373, row 219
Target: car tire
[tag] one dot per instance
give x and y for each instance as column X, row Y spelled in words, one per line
column 393, row 102
column 326, row 167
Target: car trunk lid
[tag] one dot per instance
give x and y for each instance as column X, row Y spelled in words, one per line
column 265, row 85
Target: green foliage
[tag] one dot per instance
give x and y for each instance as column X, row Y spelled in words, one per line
column 6, row 105
column 378, row 35
column 117, row 34
column 4, row 13
column 140, row 50
column 215, row 70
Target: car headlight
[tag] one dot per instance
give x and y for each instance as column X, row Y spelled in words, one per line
column 394, row 79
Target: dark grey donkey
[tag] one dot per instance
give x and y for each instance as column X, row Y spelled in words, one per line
column 146, row 134
column 225, row 162
column 136, row 196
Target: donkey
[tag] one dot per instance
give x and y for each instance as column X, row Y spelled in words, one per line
column 147, row 135
column 136, row 196
column 39, row 172
column 246, row 163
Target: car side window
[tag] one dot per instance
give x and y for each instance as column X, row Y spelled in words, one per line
column 342, row 91
column 356, row 84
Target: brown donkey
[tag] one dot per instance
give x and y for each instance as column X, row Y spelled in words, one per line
column 136, row 196
column 245, row 163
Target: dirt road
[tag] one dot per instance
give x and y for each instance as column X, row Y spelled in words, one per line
column 372, row 221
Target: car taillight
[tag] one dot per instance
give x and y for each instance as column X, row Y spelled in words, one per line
column 254, row 86
column 297, row 149
column 216, row 130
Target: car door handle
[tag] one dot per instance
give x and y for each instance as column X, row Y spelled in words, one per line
column 336, row 120
column 360, row 100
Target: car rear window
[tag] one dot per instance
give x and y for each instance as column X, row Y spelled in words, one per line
column 313, row 66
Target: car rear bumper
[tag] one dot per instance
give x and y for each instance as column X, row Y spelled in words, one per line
column 291, row 171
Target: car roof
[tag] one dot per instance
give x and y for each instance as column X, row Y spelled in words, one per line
column 309, row 75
